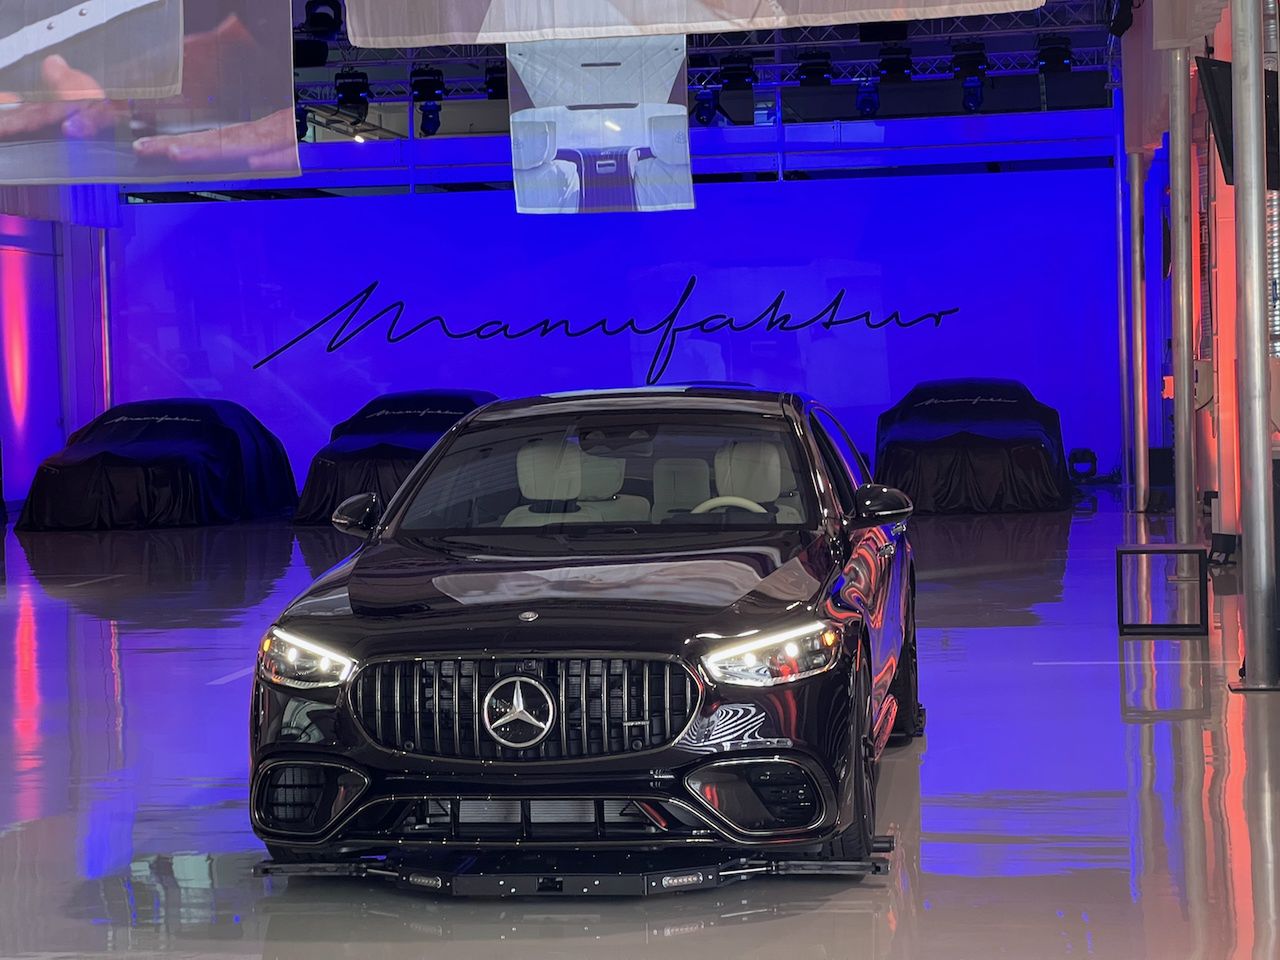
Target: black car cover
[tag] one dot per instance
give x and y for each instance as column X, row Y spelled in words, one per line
column 163, row 463
column 375, row 450
column 974, row 446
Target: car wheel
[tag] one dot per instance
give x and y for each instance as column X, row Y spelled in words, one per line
column 856, row 841
column 905, row 688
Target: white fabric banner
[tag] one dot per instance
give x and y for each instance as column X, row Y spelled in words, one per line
column 1184, row 23
column 68, row 116
column 123, row 49
column 397, row 23
column 600, row 126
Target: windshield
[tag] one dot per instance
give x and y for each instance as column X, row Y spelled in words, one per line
column 610, row 472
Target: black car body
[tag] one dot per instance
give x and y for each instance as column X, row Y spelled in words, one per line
column 619, row 646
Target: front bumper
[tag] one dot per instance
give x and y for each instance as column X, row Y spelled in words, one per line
column 786, row 748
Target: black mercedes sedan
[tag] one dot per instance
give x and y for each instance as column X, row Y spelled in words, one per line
column 615, row 621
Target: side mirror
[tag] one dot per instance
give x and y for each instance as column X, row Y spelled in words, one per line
column 358, row 515
column 879, row 505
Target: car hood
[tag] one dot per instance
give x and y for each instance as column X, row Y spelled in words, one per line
column 409, row 594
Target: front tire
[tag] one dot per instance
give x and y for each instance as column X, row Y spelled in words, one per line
column 905, row 688
column 855, row 843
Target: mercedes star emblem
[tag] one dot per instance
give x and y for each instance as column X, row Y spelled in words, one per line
column 518, row 712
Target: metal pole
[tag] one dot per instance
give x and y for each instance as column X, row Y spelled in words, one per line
column 1122, row 315
column 1262, row 657
column 1138, row 333
column 1184, row 410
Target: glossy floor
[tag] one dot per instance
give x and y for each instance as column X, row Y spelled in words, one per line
column 1076, row 795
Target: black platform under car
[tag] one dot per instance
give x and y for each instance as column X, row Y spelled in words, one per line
column 375, row 450
column 163, row 463
column 624, row 642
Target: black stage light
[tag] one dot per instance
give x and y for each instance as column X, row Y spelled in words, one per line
column 895, row 64
column 971, row 94
column 738, row 72
column 706, row 106
column 969, row 61
column 1121, row 18
column 323, row 18
column 430, row 125
column 427, row 84
column 495, row 83
column 1054, row 55
column 815, row 69
column 868, row 101
column 303, row 120
column 1083, row 464
column 353, row 94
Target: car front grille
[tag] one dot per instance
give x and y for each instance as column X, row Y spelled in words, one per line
column 601, row 707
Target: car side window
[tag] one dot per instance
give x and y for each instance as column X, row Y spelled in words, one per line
column 848, row 452
column 836, row 468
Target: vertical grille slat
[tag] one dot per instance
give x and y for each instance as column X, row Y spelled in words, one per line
column 611, row 711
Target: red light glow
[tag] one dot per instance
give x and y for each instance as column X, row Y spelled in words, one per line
column 14, row 332
column 26, row 716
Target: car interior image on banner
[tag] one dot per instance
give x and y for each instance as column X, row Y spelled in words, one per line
column 600, row 126
column 110, row 91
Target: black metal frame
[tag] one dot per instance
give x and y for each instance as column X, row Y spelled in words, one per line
column 577, row 875
column 1198, row 629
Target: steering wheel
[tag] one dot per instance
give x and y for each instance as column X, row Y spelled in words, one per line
column 742, row 503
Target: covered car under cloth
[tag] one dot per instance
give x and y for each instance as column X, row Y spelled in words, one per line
column 163, row 463
column 974, row 446
column 374, row 451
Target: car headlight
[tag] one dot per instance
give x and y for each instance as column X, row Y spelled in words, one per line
column 780, row 657
column 288, row 659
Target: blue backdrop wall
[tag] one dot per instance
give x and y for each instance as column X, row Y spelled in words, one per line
column 851, row 289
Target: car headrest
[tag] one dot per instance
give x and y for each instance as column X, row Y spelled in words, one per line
column 533, row 143
column 669, row 139
column 602, row 477
column 549, row 471
column 751, row 469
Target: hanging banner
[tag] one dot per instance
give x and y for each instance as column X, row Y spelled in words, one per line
column 398, row 23
column 122, row 49
column 64, row 120
column 600, row 126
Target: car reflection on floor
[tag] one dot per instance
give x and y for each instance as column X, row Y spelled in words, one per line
column 1076, row 795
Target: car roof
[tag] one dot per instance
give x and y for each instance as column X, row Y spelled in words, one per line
column 726, row 398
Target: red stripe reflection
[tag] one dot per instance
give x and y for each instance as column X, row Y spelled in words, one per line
column 26, row 716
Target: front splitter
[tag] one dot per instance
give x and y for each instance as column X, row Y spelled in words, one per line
column 575, row 875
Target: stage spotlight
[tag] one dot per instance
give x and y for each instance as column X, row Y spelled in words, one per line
column 1054, row 55
column 323, row 18
column 427, row 84
column 895, row 64
column 706, row 106
column 969, row 61
column 1121, row 18
column 738, row 72
column 303, row 121
column 971, row 94
column 1083, row 464
column 430, row 125
column 868, row 101
column 353, row 94
column 815, row 68
column 495, row 83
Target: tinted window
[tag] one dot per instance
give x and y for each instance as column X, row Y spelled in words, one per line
column 650, row 472
column 836, row 468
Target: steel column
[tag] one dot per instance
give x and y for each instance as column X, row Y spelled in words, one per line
column 1184, row 410
column 1138, row 332
column 1262, row 658
column 1122, row 315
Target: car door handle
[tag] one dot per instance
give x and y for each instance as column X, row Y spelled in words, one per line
column 888, row 550
column 900, row 528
